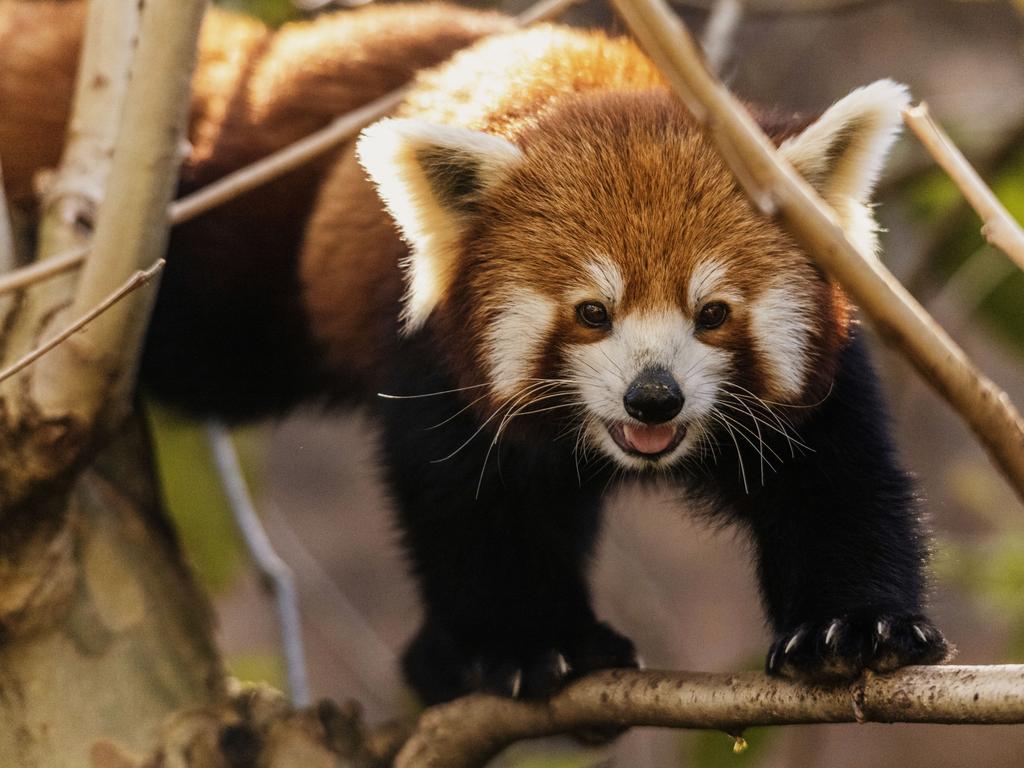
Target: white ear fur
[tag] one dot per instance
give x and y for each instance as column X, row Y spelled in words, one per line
column 431, row 177
column 842, row 152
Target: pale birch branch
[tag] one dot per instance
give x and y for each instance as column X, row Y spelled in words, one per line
column 999, row 227
column 43, row 270
column 774, row 186
column 94, row 369
column 469, row 731
column 74, row 191
column 71, row 194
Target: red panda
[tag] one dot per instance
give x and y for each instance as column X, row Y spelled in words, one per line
column 547, row 272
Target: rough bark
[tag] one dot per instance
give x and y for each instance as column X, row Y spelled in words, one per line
column 104, row 632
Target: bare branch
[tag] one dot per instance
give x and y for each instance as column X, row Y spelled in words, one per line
column 270, row 565
column 999, row 228
column 134, row 282
column 42, row 270
column 277, row 164
column 773, row 185
column 469, row 731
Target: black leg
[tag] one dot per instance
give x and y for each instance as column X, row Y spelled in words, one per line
column 841, row 550
column 502, row 570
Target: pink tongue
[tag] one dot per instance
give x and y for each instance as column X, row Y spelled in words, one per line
column 649, row 439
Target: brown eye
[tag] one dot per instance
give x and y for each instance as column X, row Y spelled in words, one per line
column 593, row 314
column 712, row 315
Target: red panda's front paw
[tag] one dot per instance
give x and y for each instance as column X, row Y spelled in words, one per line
column 543, row 673
column 842, row 648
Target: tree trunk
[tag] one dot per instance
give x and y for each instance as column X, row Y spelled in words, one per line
column 104, row 631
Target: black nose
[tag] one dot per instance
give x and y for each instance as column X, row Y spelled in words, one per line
column 653, row 397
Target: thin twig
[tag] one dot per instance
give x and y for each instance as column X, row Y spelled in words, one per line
column 134, row 282
column 281, row 162
column 773, row 183
column 999, row 228
column 267, row 169
column 469, row 731
column 371, row 660
column 267, row 561
column 43, row 270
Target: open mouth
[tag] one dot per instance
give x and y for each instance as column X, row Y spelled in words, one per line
column 648, row 441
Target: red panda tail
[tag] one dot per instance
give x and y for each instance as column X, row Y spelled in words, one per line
column 230, row 334
column 39, row 46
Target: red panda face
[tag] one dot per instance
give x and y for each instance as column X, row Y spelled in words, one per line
column 606, row 269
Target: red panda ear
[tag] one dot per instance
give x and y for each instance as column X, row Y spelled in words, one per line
column 842, row 152
column 432, row 178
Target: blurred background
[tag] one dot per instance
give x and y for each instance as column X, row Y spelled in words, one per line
column 685, row 593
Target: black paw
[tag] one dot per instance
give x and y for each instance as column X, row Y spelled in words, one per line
column 542, row 673
column 439, row 673
column 842, row 648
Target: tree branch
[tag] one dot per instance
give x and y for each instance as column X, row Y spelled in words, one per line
column 73, row 192
column 131, row 228
column 132, row 284
column 774, row 186
column 1000, row 229
column 469, row 731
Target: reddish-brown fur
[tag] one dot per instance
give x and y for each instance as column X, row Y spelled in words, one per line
column 554, row 90
column 255, row 89
column 595, row 159
column 549, row 89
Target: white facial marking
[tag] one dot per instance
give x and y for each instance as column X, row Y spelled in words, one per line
column 781, row 323
column 605, row 277
column 514, row 339
column 605, row 369
column 390, row 151
column 841, row 154
column 707, row 278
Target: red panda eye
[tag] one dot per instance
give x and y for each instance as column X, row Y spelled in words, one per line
column 593, row 314
column 712, row 315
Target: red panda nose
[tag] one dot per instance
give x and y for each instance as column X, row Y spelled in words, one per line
column 653, row 397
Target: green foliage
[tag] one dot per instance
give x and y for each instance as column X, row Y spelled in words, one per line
column 935, row 199
column 193, row 494
column 257, row 668
column 273, row 12
column 993, row 573
column 931, row 196
column 714, row 749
